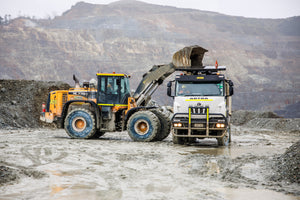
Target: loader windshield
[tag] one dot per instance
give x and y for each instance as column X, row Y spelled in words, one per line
column 113, row 90
column 199, row 89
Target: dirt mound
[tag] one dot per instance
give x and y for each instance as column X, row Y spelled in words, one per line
column 290, row 111
column 9, row 175
column 241, row 117
column 279, row 124
column 265, row 120
column 21, row 100
column 287, row 166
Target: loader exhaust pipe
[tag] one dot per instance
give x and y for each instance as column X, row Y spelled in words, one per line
column 189, row 57
column 77, row 85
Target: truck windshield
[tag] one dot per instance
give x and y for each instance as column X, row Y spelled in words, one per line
column 199, row 89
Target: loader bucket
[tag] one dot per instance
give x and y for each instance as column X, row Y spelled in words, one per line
column 189, row 57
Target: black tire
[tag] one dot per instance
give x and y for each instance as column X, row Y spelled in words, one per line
column 191, row 140
column 178, row 140
column 165, row 125
column 80, row 123
column 143, row 126
column 226, row 139
column 98, row 134
column 229, row 129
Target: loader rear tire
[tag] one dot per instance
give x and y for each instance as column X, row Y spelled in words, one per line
column 165, row 123
column 143, row 126
column 80, row 123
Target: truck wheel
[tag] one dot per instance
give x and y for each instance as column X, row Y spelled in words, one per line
column 179, row 140
column 165, row 127
column 143, row 126
column 192, row 140
column 226, row 139
column 80, row 123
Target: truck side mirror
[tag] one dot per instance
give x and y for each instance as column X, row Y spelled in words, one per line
column 231, row 91
column 169, row 89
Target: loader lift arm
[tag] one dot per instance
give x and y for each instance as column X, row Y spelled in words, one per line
column 186, row 58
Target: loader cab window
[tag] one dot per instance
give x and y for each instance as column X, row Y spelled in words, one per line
column 125, row 90
column 200, row 88
column 113, row 90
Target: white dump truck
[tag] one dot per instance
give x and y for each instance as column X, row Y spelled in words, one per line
column 202, row 103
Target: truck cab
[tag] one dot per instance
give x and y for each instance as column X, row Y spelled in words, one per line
column 202, row 106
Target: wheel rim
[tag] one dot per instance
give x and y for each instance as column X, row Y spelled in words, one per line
column 141, row 127
column 79, row 124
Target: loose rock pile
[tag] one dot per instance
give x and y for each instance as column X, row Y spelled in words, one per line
column 242, row 117
column 265, row 120
column 10, row 175
column 287, row 166
column 21, row 101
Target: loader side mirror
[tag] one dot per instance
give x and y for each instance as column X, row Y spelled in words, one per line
column 169, row 89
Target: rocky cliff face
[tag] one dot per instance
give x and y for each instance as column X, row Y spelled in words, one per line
column 261, row 55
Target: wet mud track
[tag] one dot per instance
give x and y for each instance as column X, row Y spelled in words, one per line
column 47, row 164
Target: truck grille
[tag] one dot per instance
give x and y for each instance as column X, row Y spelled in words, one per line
column 198, row 110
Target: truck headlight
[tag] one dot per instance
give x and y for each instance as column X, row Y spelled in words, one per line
column 219, row 125
column 177, row 124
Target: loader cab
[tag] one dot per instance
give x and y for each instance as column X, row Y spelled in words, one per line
column 113, row 89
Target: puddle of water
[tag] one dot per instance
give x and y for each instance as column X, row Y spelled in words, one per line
column 212, row 151
column 234, row 151
column 240, row 146
column 250, row 194
column 56, row 189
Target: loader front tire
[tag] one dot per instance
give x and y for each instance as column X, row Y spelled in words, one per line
column 143, row 126
column 165, row 125
column 80, row 123
column 98, row 134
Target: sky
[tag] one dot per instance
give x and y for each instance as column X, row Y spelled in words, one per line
column 246, row 8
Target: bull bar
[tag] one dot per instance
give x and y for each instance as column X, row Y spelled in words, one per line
column 199, row 118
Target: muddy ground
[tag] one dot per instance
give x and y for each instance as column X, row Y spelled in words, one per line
column 43, row 163
column 46, row 164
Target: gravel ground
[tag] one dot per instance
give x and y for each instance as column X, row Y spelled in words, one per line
column 287, row 165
